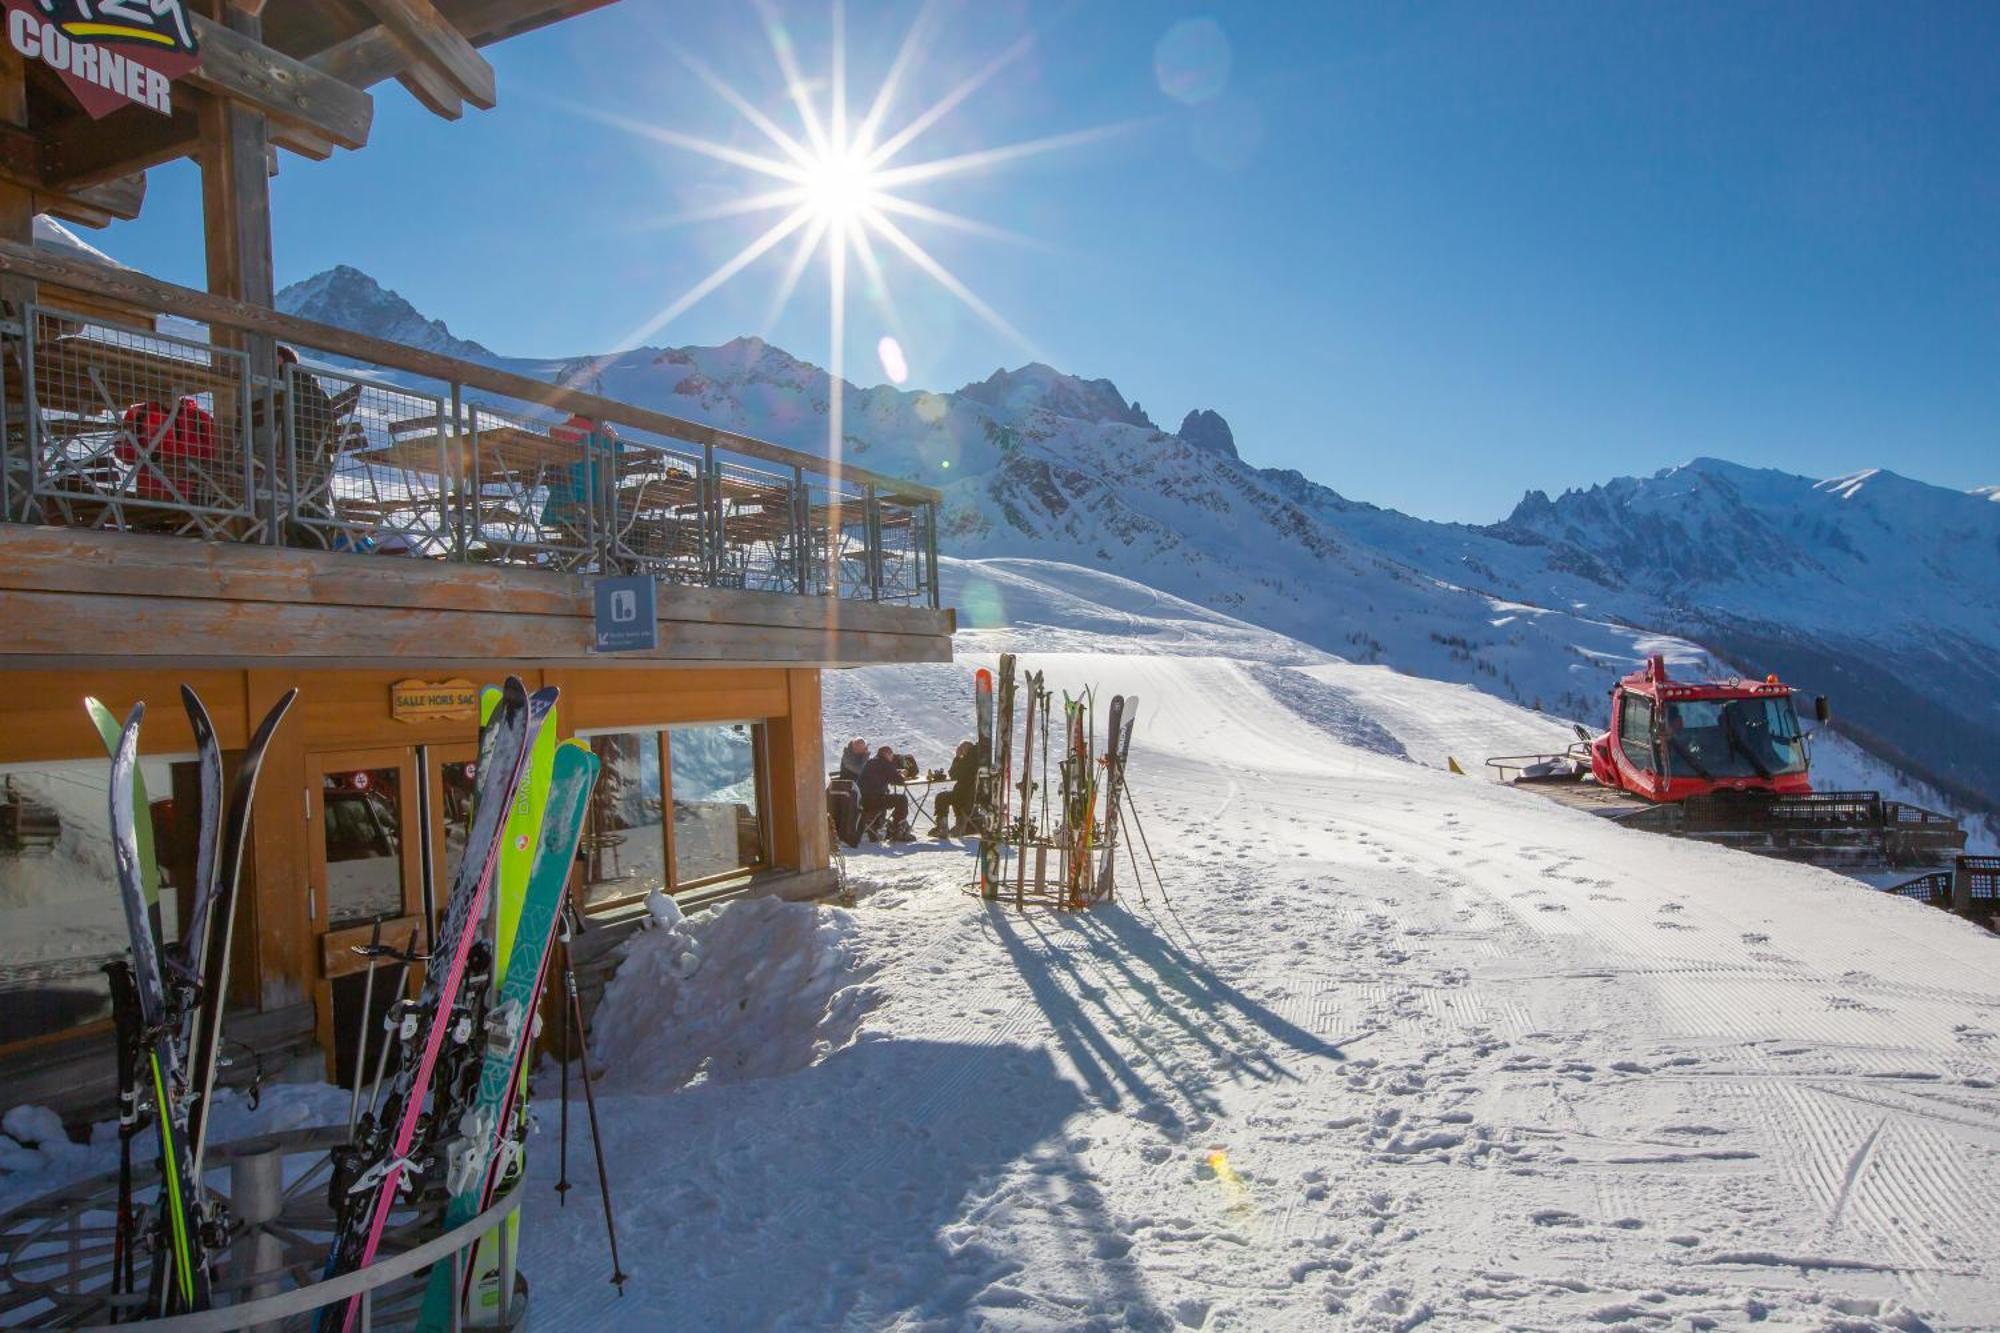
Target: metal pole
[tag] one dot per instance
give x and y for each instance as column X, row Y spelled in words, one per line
column 503, row 1307
column 402, row 981
column 871, row 527
column 373, row 952
column 801, row 523
column 257, row 1198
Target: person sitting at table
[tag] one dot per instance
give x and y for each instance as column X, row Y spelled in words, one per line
column 171, row 451
column 585, row 483
column 315, row 426
column 853, row 759
column 964, row 775
column 880, row 778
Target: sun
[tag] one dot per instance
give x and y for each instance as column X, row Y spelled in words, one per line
column 840, row 184
column 839, row 187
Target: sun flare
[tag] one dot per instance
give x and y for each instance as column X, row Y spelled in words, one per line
column 839, row 187
column 839, row 183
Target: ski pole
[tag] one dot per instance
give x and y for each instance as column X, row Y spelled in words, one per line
column 618, row 1275
column 404, row 959
column 1146, row 842
column 372, row 953
column 563, row 933
column 1133, row 857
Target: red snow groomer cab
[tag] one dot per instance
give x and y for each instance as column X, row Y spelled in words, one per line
column 1726, row 761
column 1671, row 740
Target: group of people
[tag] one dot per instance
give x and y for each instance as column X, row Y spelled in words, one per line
column 884, row 788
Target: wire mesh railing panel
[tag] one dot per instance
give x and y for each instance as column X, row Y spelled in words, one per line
column 219, row 433
column 834, row 539
column 655, row 521
column 371, row 466
column 901, row 552
column 136, row 430
column 757, row 529
column 535, row 491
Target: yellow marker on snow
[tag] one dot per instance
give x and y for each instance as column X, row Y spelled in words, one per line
column 1452, row 764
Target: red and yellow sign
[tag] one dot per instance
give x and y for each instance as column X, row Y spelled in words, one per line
column 110, row 53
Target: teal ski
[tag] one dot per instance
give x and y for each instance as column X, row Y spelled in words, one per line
column 485, row 1146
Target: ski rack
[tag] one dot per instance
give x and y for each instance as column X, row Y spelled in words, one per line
column 52, row 1251
column 1052, row 818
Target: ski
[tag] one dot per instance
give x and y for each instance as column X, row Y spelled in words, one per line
column 226, row 868
column 208, row 751
column 108, row 729
column 487, row 1148
column 185, row 1287
column 1117, row 748
column 989, row 835
column 387, row 1144
column 128, row 1030
column 1034, row 681
column 1003, row 759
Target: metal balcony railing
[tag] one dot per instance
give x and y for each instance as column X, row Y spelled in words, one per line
column 191, row 415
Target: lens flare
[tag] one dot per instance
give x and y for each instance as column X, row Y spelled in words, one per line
column 890, row 353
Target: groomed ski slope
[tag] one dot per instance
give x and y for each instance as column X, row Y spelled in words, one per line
column 1404, row 1049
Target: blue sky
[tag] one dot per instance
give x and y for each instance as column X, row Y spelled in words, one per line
column 1428, row 254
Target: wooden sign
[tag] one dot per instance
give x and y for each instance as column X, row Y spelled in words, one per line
column 110, row 53
column 433, row 701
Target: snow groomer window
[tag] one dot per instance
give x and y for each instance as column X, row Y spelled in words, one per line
column 61, row 915
column 1635, row 730
column 625, row 839
column 718, row 800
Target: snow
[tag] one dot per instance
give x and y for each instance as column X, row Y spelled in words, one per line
column 1402, row 1048
column 1394, row 1048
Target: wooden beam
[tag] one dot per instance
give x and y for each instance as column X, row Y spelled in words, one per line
column 236, row 187
column 431, row 36
column 432, row 91
column 141, row 290
column 78, row 152
column 374, row 54
column 81, row 562
column 121, row 198
column 271, row 82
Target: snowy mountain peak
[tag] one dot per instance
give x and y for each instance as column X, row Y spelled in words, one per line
column 347, row 298
column 1036, row 385
column 1204, row 428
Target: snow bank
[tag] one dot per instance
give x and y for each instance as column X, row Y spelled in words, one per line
column 747, row 989
column 37, row 1153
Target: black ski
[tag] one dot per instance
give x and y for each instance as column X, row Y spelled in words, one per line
column 226, row 867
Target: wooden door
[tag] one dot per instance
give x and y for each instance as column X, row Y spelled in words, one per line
column 366, row 846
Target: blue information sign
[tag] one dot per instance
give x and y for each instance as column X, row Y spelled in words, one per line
column 627, row 614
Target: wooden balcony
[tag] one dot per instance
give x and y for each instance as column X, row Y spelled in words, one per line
column 368, row 503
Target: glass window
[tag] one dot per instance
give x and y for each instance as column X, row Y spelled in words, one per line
column 624, row 845
column 1635, row 731
column 718, row 806
column 363, row 821
column 457, row 781
column 1735, row 738
column 61, row 915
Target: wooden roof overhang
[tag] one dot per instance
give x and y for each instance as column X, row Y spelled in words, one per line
column 303, row 66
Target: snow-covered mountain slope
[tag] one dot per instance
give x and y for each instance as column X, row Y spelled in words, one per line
column 347, row 298
column 1396, row 1049
column 1882, row 592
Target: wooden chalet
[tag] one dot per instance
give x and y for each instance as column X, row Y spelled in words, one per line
column 196, row 488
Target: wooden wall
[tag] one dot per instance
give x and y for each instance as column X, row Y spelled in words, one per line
column 42, row 719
